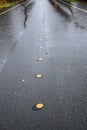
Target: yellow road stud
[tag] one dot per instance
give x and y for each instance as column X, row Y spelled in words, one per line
column 39, row 105
column 41, row 48
column 40, row 59
column 38, row 76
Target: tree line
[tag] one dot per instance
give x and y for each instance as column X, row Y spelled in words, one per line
column 3, row 1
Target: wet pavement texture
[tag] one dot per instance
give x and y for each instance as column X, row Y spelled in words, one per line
column 12, row 27
column 78, row 16
column 52, row 34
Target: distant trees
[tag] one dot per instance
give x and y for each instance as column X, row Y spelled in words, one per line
column 83, row 0
column 3, row 1
column 11, row 0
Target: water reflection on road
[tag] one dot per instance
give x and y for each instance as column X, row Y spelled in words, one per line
column 71, row 14
column 12, row 25
column 80, row 18
column 13, row 22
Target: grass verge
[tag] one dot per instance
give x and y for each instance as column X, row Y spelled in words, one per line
column 9, row 4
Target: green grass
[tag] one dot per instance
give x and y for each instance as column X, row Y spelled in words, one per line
column 9, row 4
column 73, row 0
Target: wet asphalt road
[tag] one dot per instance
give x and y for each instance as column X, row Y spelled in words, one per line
column 63, row 86
column 12, row 26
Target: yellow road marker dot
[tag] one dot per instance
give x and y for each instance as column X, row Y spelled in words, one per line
column 41, row 39
column 38, row 76
column 39, row 105
column 41, row 48
column 40, row 59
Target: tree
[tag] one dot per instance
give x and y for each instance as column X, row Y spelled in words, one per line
column 11, row 0
column 2, row 2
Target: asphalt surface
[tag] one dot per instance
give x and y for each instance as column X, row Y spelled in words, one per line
column 63, row 86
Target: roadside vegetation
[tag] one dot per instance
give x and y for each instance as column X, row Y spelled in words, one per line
column 82, row 1
column 8, row 3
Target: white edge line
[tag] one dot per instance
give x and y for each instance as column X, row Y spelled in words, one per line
column 15, row 6
column 9, row 9
column 74, row 6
